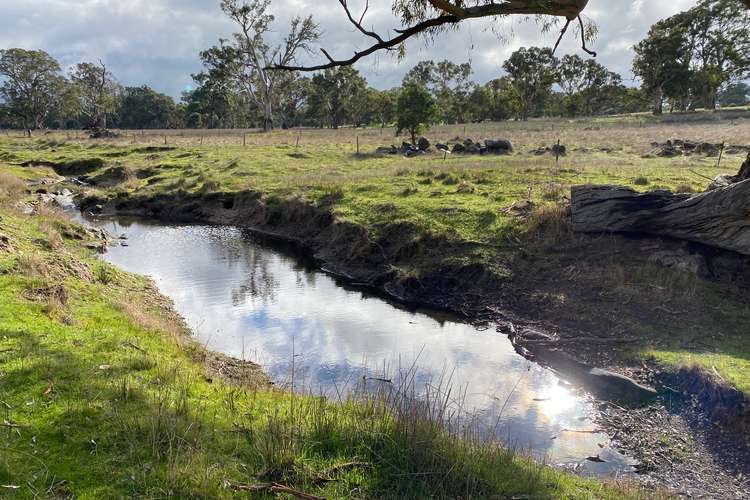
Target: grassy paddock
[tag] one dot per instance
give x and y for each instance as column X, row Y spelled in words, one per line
column 592, row 283
column 102, row 396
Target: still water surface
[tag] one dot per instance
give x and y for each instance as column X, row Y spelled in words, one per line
column 259, row 302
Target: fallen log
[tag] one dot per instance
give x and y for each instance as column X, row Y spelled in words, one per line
column 719, row 218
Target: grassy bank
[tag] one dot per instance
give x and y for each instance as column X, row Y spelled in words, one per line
column 102, row 395
column 462, row 205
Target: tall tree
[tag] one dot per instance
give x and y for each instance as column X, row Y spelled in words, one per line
column 33, row 85
column 586, row 85
column 96, row 90
column 335, row 93
column 663, row 58
column 532, row 72
column 248, row 58
column 736, row 94
column 142, row 107
column 415, row 110
column 720, row 33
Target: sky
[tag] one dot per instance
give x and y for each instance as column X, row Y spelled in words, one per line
column 156, row 42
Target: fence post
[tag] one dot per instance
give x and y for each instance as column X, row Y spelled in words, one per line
column 557, row 152
column 357, row 144
column 721, row 153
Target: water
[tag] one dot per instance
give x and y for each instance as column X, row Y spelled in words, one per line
column 261, row 303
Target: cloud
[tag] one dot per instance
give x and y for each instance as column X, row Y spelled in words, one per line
column 157, row 41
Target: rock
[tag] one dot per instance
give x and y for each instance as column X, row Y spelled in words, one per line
column 521, row 208
column 459, row 148
column 406, row 146
column 98, row 133
column 473, row 149
column 538, row 151
column 5, row 245
column 386, row 150
column 721, row 181
column 708, row 149
column 442, row 147
column 499, row 146
column 413, row 152
column 668, row 151
column 423, row 144
column 682, row 260
column 468, row 142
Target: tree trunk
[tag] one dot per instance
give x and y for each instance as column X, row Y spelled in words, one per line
column 717, row 218
column 658, row 101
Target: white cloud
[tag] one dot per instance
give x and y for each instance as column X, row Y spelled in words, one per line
column 157, row 41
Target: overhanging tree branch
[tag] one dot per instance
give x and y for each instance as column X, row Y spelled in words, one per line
column 448, row 12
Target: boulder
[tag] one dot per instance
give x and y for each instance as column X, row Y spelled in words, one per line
column 386, row 150
column 423, row 144
column 459, row 148
column 499, row 146
column 442, row 147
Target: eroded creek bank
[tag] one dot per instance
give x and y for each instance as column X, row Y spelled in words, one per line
column 347, row 250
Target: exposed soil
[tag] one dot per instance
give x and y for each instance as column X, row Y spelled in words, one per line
column 692, row 439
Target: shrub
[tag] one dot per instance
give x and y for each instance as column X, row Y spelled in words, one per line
column 641, row 181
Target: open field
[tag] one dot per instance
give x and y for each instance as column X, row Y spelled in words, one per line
column 102, row 396
column 583, row 283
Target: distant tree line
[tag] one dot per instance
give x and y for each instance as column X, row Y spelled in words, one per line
column 697, row 58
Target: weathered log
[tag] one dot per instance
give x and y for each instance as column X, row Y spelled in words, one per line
column 744, row 173
column 719, row 218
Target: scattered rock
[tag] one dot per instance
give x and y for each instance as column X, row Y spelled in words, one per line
column 499, row 146
column 721, row 181
column 459, row 148
column 387, row 150
column 99, row 133
column 442, row 147
column 5, row 245
column 423, row 144
column 679, row 147
column 521, row 208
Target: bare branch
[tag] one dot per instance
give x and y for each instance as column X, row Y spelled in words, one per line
column 358, row 24
column 451, row 12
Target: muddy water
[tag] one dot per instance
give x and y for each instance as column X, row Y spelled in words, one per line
column 260, row 302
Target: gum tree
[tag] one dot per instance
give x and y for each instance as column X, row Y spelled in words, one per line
column 246, row 59
column 415, row 110
column 32, row 86
column 96, row 92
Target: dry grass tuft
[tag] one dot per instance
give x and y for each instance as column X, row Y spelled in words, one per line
column 32, row 264
column 684, row 189
column 153, row 321
column 553, row 191
column 11, row 187
column 549, row 225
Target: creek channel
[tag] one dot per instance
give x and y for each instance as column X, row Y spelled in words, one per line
column 261, row 301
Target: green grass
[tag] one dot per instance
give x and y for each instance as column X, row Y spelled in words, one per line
column 463, row 199
column 102, row 396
